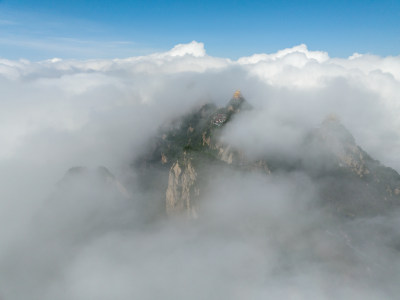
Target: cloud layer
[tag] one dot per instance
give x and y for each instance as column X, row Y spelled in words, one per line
column 56, row 114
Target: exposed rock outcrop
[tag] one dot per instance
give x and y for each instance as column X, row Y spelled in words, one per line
column 182, row 191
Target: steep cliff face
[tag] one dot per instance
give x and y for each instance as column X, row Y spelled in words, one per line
column 187, row 144
column 182, row 191
column 198, row 145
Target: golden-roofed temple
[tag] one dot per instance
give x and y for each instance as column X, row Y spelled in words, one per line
column 237, row 94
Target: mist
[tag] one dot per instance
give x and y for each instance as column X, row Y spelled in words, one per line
column 91, row 236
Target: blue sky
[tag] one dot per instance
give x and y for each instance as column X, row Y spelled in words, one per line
column 44, row 29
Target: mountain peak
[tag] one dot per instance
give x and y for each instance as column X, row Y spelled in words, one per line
column 332, row 129
column 349, row 181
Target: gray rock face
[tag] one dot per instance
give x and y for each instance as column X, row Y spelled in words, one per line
column 182, row 191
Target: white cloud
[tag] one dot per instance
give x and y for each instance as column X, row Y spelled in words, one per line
column 294, row 83
column 58, row 113
column 194, row 48
column 319, row 56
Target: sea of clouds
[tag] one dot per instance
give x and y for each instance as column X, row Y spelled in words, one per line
column 263, row 238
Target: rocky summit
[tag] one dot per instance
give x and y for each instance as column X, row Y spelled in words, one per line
column 349, row 182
